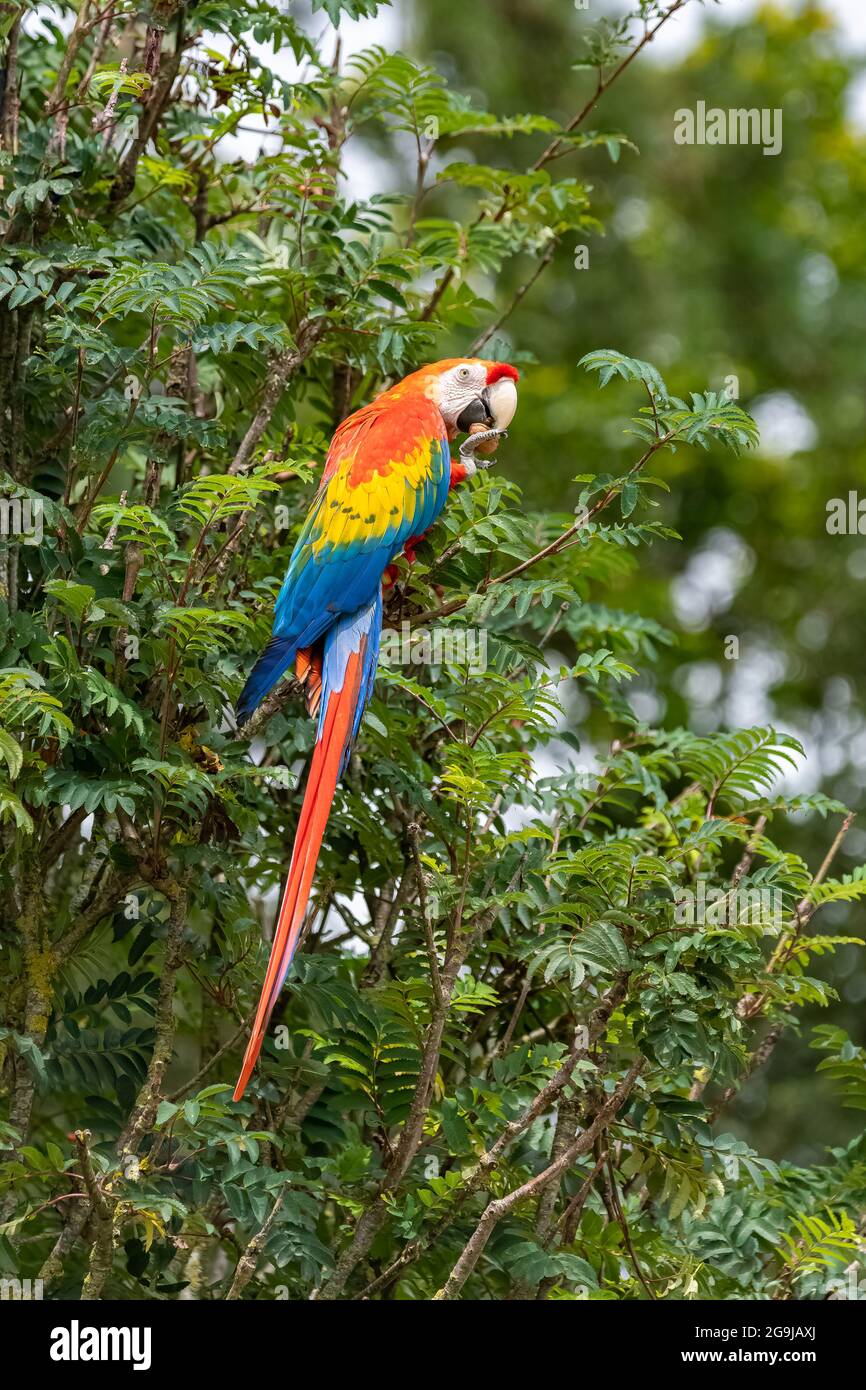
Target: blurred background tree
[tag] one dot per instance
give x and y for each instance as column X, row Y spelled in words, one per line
column 727, row 263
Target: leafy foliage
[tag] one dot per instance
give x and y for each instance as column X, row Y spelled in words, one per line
column 499, row 955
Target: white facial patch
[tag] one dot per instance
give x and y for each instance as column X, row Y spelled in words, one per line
column 502, row 396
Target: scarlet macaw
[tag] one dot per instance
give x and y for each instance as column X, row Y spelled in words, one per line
column 386, row 478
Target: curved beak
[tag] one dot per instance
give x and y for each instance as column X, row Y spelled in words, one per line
column 494, row 408
column 502, row 402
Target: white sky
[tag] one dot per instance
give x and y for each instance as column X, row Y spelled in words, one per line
column 389, row 28
column 677, row 37
column 681, row 33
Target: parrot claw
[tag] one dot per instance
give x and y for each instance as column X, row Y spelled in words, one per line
column 470, row 445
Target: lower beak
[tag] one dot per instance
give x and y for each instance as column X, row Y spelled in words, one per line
column 477, row 412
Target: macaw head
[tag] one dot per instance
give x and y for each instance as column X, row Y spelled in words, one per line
column 471, row 391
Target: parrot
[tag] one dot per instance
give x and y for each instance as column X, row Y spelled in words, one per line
column 386, row 478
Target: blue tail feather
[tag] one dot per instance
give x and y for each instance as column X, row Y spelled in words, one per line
column 344, row 635
column 353, row 632
column 276, row 658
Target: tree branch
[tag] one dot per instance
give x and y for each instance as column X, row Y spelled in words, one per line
column 501, row 1206
column 283, row 367
column 246, row 1266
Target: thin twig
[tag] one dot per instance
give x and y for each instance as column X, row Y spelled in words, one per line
column 484, row 338
column 501, row 1206
column 413, row 833
column 246, row 1266
column 210, row 1064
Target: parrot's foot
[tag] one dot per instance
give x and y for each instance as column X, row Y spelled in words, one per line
column 472, row 442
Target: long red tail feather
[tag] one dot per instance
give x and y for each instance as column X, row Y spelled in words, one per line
column 334, row 737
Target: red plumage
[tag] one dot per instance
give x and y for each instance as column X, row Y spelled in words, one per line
column 334, row 738
column 500, row 370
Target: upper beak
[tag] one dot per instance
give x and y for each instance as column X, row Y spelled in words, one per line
column 502, row 402
column 494, row 408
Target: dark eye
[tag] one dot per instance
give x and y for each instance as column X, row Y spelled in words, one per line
column 464, row 373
